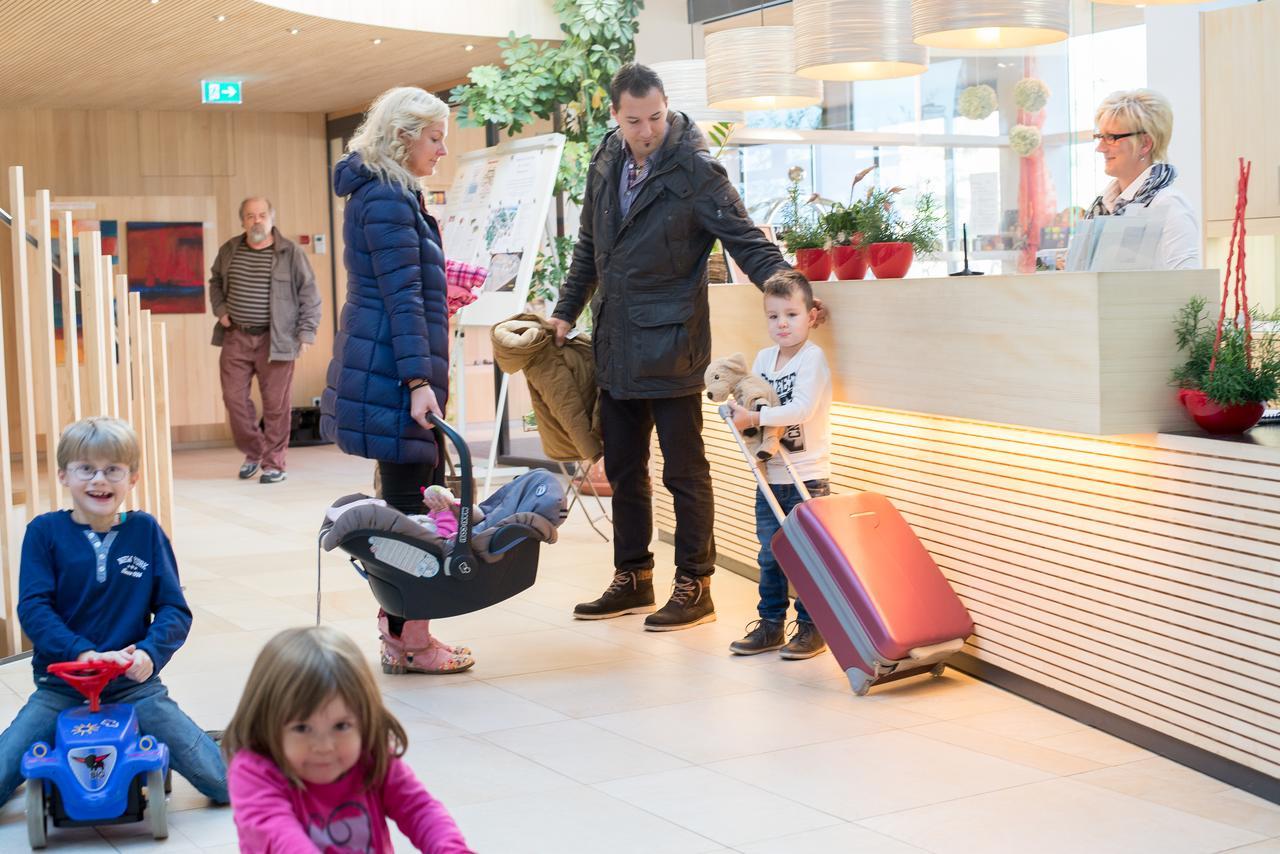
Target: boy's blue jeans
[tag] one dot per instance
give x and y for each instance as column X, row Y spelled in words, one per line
column 773, row 583
column 191, row 752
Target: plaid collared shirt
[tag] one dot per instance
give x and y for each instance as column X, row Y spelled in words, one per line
column 633, row 177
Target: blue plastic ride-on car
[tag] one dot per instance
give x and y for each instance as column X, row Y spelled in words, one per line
column 96, row 771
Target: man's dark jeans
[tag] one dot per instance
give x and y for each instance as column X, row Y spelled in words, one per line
column 627, row 426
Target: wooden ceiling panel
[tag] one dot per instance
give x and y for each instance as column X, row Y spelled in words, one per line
column 139, row 55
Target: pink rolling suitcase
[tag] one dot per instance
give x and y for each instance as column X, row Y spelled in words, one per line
column 873, row 591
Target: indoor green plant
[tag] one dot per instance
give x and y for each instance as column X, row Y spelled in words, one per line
column 1226, row 394
column 802, row 233
column 845, row 227
column 895, row 242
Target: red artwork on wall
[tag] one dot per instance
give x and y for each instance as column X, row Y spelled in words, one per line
column 166, row 265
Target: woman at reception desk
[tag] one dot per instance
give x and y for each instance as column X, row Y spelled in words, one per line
column 1118, row 569
column 1134, row 130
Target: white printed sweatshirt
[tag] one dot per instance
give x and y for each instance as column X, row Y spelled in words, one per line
column 804, row 393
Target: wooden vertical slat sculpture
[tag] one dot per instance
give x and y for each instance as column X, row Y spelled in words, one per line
column 164, row 436
column 124, row 351
column 46, row 350
column 95, row 373
column 70, row 318
column 140, row 397
column 23, row 349
column 109, row 338
column 8, row 536
column 147, row 430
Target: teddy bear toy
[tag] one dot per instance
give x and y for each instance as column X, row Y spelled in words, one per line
column 731, row 377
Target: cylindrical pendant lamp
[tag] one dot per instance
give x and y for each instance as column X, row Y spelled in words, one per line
column 685, row 81
column 969, row 24
column 753, row 68
column 856, row 40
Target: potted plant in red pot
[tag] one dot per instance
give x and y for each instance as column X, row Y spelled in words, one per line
column 802, row 234
column 896, row 242
column 1226, row 393
column 844, row 226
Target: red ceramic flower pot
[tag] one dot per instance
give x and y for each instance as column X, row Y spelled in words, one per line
column 890, row 260
column 815, row 264
column 1216, row 418
column 850, row 262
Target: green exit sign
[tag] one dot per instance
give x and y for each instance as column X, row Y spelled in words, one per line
column 220, row 92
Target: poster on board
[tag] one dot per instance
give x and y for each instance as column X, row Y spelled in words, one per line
column 497, row 213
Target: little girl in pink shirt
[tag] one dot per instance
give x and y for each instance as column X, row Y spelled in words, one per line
column 315, row 757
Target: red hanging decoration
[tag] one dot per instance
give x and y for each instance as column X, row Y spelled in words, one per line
column 1241, row 302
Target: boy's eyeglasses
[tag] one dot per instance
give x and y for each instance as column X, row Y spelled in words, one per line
column 86, row 472
column 1113, row 138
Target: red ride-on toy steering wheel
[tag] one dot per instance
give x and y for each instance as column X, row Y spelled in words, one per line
column 88, row 677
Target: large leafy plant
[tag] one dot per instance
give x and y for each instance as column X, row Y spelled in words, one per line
column 539, row 80
column 1244, row 372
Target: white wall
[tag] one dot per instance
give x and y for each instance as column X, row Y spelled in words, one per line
column 665, row 33
column 1173, row 69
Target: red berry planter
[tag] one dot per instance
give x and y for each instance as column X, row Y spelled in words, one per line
column 850, row 262
column 1216, row 418
column 815, row 264
column 890, row 260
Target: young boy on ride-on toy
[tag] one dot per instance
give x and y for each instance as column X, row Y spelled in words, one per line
column 98, row 585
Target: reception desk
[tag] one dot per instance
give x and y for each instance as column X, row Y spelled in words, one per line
column 1119, row 566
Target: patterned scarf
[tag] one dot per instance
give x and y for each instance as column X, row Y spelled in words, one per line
column 1160, row 176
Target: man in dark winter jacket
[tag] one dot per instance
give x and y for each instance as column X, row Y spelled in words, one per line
column 655, row 202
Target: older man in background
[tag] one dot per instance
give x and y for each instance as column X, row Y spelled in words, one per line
column 263, row 292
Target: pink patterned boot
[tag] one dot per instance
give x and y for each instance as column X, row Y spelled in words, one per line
column 416, row 651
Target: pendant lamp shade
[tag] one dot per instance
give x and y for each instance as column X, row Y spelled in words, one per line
column 753, row 68
column 969, row 24
column 856, row 40
column 1147, row 2
column 685, row 81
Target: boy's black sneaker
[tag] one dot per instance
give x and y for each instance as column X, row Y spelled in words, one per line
column 248, row 470
column 272, row 476
column 762, row 636
column 806, row 642
column 690, row 605
column 630, row 592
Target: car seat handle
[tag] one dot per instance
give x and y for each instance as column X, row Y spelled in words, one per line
column 461, row 563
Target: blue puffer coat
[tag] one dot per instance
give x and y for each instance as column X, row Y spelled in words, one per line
column 394, row 326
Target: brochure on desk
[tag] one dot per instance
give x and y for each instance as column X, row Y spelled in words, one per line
column 496, row 218
column 1109, row 244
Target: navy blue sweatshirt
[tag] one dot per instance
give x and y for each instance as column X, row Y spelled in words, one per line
column 66, row 609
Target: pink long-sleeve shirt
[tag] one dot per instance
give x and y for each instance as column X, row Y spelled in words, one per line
column 273, row 816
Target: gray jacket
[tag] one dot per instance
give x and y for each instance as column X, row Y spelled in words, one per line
column 295, row 301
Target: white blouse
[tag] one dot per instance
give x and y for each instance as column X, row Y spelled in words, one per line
column 1180, row 242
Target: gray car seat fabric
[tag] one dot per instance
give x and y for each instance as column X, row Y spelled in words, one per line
column 538, row 492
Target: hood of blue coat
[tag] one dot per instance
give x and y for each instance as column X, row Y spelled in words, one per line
column 351, row 174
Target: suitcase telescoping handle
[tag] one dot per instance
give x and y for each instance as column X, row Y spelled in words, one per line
column 757, row 466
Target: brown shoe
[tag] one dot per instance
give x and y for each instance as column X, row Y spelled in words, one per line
column 690, row 605
column 806, row 642
column 630, row 592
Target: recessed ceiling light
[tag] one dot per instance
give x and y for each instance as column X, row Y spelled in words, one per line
column 468, row 47
column 154, row 2
column 293, row 31
column 221, row 18
column 377, row 41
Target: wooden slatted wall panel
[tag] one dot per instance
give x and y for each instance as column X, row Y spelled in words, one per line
column 1139, row 578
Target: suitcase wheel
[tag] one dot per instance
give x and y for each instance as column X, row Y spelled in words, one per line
column 862, row 684
column 938, row 670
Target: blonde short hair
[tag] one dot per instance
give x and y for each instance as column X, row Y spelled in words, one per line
column 1140, row 110
column 297, row 672
column 404, row 110
column 99, row 438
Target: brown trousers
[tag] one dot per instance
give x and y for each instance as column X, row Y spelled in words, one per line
column 243, row 356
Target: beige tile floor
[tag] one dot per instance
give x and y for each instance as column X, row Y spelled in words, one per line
column 599, row 737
